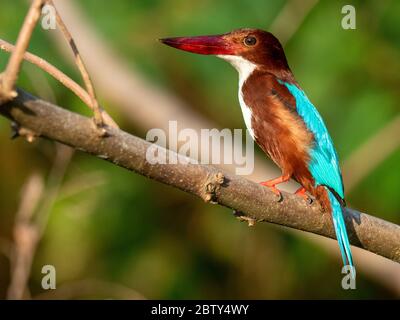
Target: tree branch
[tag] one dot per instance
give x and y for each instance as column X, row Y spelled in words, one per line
column 205, row 181
column 61, row 77
column 9, row 77
column 94, row 105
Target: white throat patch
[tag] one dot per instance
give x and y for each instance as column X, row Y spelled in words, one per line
column 245, row 69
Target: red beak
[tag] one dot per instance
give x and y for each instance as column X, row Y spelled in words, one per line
column 202, row 45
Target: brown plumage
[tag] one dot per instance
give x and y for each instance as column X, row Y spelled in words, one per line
column 277, row 127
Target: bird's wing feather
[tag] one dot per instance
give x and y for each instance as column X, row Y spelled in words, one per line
column 324, row 163
column 324, row 167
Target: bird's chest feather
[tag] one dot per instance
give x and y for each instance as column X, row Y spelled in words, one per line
column 275, row 125
column 247, row 113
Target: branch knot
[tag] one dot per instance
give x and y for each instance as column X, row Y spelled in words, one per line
column 212, row 186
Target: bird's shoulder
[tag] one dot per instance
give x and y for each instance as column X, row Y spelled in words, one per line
column 262, row 87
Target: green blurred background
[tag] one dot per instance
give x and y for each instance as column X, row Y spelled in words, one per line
column 115, row 234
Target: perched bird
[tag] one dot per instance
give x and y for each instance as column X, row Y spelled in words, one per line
column 280, row 118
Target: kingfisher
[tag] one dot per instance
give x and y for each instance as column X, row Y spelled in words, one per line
column 280, row 118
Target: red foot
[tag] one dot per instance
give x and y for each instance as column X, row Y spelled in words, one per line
column 302, row 192
column 272, row 183
column 272, row 188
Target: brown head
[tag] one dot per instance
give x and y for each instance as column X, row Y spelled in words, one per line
column 254, row 46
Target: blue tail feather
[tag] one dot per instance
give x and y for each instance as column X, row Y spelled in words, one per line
column 340, row 229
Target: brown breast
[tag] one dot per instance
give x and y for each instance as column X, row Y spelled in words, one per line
column 277, row 127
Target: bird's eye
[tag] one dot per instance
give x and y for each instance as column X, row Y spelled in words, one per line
column 250, row 41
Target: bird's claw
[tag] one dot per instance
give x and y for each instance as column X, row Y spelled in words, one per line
column 271, row 184
column 275, row 190
column 279, row 196
column 307, row 199
column 302, row 193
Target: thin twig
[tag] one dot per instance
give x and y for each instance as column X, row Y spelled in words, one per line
column 31, row 222
column 61, row 77
column 206, row 181
column 25, row 237
column 9, row 77
column 98, row 112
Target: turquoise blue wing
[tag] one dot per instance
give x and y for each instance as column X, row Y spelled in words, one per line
column 324, row 163
column 324, row 167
